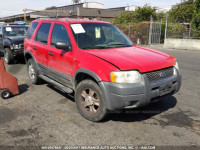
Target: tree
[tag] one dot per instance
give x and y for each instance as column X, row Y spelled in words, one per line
column 196, row 16
column 140, row 14
column 161, row 15
column 144, row 13
column 182, row 12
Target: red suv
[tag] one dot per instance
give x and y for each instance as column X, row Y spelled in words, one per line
column 100, row 64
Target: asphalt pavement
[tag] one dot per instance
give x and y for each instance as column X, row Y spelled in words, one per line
column 44, row 116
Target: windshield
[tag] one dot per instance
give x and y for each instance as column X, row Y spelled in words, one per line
column 99, row 36
column 15, row 31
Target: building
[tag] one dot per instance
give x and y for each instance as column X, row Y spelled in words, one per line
column 125, row 8
column 87, row 10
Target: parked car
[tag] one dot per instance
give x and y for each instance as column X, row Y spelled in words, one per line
column 12, row 40
column 97, row 62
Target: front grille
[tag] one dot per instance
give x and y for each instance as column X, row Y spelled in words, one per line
column 160, row 74
column 21, row 46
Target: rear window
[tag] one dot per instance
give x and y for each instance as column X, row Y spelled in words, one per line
column 31, row 30
column 43, row 33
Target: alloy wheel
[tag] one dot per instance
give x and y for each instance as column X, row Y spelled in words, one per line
column 6, row 57
column 31, row 71
column 90, row 101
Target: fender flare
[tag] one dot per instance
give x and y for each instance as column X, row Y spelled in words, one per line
column 6, row 43
column 86, row 71
column 32, row 56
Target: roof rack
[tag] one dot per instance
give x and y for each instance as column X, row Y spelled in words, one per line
column 47, row 19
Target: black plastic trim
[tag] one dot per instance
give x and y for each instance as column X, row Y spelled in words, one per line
column 119, row 96
column 86, row 71
column 32, row 56
column 59, row 77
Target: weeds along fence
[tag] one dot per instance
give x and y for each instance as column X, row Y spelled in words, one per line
column 143, row 33
column 137, row 32
column 181, row 31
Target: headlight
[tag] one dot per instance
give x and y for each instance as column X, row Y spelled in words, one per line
column 176, row 66
column 11, row 47
column 16, row 46
column 125, row 77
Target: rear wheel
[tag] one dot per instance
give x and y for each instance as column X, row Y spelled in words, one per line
column 5, row 94
column 89, row 101
column 8, row 57
column 33, row 72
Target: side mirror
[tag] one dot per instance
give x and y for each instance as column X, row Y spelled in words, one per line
column 1, row 54
column 63, row 46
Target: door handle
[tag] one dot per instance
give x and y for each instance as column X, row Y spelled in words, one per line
column 35, row 48
column 50, row 53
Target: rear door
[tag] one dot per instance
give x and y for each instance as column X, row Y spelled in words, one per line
column 40, row 45
column 60, row 61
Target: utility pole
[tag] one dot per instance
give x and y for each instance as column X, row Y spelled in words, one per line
column 24, row 15
column 150, row 29
column 166, row 24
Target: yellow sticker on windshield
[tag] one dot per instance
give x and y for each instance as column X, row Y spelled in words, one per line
column 98, row 32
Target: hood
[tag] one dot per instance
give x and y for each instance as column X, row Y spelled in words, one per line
column 138, row 58
column 16, row 39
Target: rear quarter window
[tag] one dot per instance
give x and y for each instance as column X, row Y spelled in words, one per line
column 31, row 30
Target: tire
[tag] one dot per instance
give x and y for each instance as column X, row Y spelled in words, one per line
column 8, row 56
column 89, row 101
column 5, row 94
column 33, row 72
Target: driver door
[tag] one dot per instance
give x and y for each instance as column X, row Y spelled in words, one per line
column 60, row 61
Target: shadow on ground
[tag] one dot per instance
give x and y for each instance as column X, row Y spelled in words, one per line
column 23, row 88
column 144, row 113
column 68, row 96
column 133, row 115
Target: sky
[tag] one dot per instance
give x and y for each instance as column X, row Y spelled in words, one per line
column 13, row 7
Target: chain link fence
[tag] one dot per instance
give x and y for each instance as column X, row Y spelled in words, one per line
column 181, row 31
column 144, row 33
column 154, row 32
column 137, row 32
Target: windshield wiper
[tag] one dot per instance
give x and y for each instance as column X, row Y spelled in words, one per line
column 119, row 44
column 110, row 45
column 95, row 47
column 115, row 45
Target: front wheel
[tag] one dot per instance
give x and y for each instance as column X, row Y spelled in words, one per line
column 8, row 56
column 89, row 101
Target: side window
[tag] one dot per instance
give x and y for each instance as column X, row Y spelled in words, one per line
column 59, row 34
column 43, row 33
column 31, row 30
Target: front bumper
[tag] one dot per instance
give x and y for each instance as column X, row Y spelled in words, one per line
column 17, row 52
column 119, row 96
